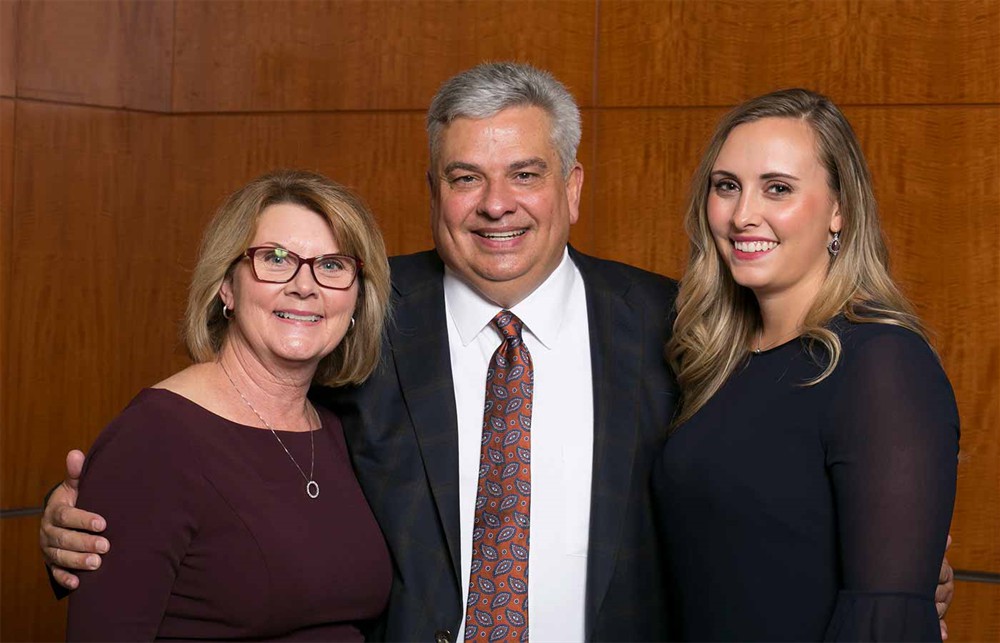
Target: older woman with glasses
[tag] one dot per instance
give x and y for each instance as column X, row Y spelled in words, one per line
column 229, row 496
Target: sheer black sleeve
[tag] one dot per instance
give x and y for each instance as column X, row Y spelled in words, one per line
column 891, row 450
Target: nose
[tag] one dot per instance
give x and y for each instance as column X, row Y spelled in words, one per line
column 303, row 282
column 498, row 199
column 746, row 213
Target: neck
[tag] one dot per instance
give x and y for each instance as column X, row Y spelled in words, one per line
column 279, row 397
column 783, row 314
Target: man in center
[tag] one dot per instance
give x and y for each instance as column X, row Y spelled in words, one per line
column 505, row 188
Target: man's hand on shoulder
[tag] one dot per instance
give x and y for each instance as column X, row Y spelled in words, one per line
column 67, row 534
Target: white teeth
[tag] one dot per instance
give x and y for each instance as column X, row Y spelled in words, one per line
column 755, row 246
column 294, row 317
column 501, row 236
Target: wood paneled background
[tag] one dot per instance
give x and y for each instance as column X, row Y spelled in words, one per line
column 124, row 123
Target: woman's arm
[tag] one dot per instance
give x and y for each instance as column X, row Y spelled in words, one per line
column 892, row 448
column 140, row 476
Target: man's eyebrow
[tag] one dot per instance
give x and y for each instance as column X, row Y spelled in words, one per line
column 532, row 162
column 460, row 165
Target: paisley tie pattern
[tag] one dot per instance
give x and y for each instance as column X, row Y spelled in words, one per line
column 497, row 609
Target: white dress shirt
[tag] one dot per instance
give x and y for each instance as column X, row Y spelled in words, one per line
column 557, row 334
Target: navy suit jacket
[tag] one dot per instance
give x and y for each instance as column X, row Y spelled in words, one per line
column 402, row 431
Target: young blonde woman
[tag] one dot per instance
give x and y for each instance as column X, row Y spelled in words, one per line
column 806, row 490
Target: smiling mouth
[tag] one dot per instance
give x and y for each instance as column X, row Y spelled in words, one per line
column 501, row 236
column 292, row 316
column 755, row 246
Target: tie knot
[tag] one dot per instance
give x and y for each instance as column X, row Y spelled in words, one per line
column 508, row 324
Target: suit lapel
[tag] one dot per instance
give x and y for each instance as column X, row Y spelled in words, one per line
column 616, row 362
column 419, row 340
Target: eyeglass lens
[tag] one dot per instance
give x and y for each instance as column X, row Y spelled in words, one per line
column 279, row 265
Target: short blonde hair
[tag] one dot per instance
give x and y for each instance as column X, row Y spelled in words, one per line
column 230, row 233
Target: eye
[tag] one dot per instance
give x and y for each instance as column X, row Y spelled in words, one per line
column 524, row 177
column 462, row 180
column 274, row 256
column 725, row 186
column 779, row 189
column 330, row 264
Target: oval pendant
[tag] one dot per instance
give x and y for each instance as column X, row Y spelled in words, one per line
column 312, row 489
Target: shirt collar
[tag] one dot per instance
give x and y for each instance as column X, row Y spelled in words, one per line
column 542, row 312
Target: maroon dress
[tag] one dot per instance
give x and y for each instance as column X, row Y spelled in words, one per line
column 213, row 536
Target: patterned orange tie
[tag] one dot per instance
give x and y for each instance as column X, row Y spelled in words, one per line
column 498, row 585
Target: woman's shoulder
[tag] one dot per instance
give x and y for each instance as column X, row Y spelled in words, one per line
column 877, row 356
column 156, row 422
column 859, row 337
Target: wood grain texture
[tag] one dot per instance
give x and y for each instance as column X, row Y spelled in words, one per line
column 264, row 55
column 719, row 52
column 645, row 159
column 93, row 261
column 973, row 616
column 28, row 608
column 113, row 53
column 7, row 118
column 8, row 47
column 934, row 170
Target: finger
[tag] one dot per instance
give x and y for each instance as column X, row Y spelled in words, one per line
column 67, row 559
column 68, row 517
column 74, row 467
column 74, row 541
column 944, row 630
column 947, row 543
column 64, row 578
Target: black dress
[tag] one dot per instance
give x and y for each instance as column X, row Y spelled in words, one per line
column 793, row 512
column 213, row 536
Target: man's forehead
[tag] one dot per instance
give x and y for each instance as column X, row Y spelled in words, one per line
column 508, row 131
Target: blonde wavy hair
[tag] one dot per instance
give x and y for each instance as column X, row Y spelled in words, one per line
column 232, row 229
column 717, row 318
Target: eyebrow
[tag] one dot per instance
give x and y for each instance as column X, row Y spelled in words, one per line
column 513, row 167
column 532, row 162
column 765, row 176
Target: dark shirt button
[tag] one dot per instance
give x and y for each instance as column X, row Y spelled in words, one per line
column 442, row 636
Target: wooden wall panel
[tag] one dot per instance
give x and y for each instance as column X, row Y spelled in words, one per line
column 719, row 52
column 8, row 46
column 644, row 167
column 262, row 55
column 114, row 53
column 91, row 240
column 935, row 172
column 7, row 113
column 974, row 615
column 28, row 609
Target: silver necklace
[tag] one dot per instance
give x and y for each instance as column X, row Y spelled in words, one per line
column 312, row 487
column 760, row 336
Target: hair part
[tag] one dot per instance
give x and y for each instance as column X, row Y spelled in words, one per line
column 230, row 233
column 717, row 318
column 489, row 88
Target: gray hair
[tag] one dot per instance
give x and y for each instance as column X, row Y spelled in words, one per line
column 489, row 88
